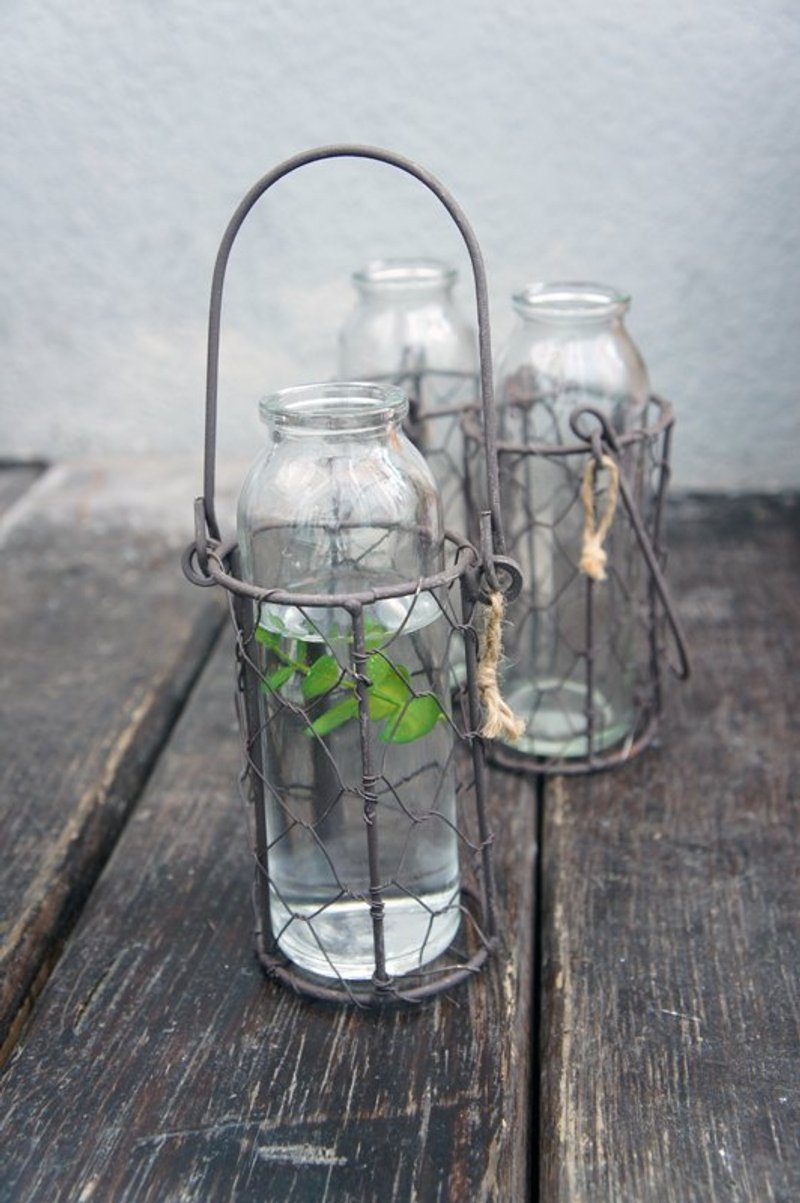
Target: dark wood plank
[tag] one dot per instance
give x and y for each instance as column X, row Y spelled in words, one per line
column 15, row 480
column 102, row 638
column 162, row 1065
column 671, row 1050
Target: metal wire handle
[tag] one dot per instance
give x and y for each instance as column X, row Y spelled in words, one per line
column 205, row 505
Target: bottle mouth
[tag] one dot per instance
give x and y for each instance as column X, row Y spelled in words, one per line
column 570, row 302
column 347, row 406
column 399, row 274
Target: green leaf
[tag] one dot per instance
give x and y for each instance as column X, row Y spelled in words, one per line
column 341, row 713
column 273, row 682
column 380, row 669
column 374, row 632
column 390, row 681
column 389, row 687
column 323, row 676
column 415, row 720
column 267, row 637
column 390, row 697
column 380, row 707
column 274, row 642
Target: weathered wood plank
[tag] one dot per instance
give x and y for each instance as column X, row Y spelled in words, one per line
column 101, row 640
column 671, row 1050
column 161, row 1065
column 15, row 479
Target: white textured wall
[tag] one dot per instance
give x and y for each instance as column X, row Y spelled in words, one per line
column 651, row 145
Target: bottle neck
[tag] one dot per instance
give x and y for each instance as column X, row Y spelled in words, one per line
column 571, row 306
column 406, row 281
column 335, row 411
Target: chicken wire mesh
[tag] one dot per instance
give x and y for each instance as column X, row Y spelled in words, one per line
column 438, row 401
column 364, row 775
column 584, row 655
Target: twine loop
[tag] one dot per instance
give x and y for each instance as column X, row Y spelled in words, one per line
column 500, row 719
column 593, row 554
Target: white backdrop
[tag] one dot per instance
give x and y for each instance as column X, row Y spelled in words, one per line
column 651, row 146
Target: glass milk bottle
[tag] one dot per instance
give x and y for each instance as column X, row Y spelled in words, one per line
column 570, row 349
column 406, row 329
column 340, row 502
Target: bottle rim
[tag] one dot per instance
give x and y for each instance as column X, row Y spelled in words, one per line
column 570, row 301
column 418, row 273
column 340, row 406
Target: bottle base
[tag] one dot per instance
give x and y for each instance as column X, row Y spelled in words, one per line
column 336, row 941
column 557, row 723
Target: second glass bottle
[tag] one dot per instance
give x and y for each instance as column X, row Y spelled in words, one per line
column 406, row 329
column 572, row 643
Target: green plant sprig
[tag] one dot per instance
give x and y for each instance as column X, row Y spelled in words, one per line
column 391, row 700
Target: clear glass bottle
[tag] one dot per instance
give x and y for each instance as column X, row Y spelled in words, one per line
column 406, row 329
column 340, row 502
column 570, row 349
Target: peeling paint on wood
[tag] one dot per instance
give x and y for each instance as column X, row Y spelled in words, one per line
column 102, row 641
column 162, row 1065
column 15, row 480
column 671, row 1043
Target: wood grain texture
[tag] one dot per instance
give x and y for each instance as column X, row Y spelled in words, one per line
column 101, row 639
column 671, row 930
column 162, row 1066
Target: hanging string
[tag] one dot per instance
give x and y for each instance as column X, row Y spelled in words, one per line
column 500, row 720
column 593, row 554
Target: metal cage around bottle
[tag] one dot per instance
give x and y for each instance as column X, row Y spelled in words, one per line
column 346, row 679
column 588, row 626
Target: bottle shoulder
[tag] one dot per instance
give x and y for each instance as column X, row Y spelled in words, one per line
column 388, row 339
column 604, row 360
column 297, row 481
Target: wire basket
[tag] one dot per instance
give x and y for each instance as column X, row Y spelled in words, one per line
column 336, row 834
column 592, row 691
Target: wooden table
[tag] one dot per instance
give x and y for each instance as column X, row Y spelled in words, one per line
column 638, row 1039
